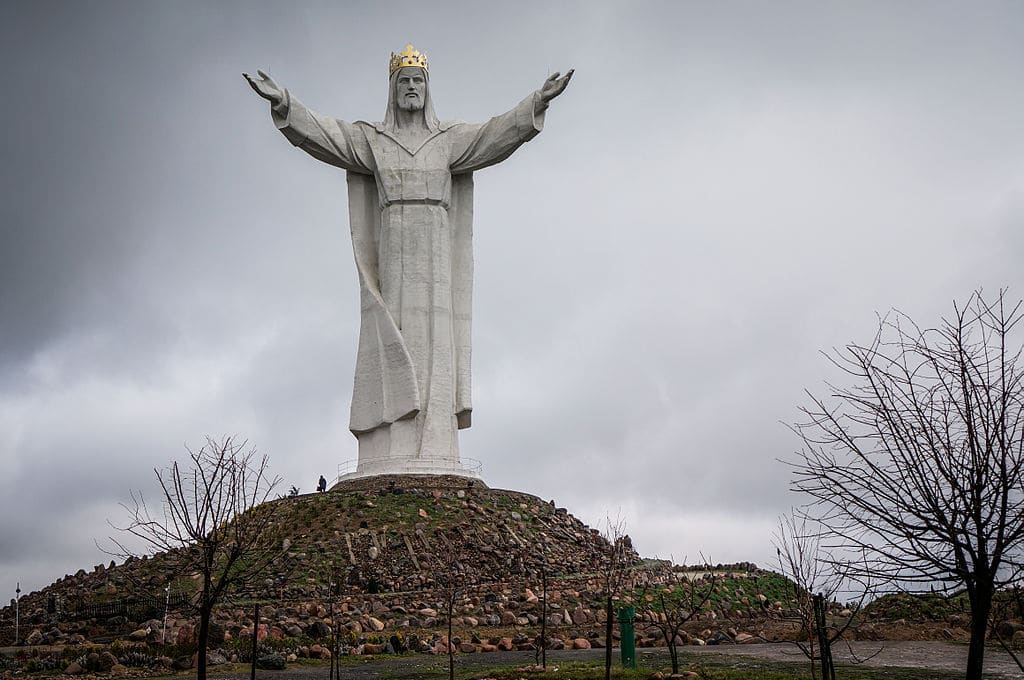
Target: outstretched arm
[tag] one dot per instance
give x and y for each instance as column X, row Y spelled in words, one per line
column 326, row 139
column 478, row 146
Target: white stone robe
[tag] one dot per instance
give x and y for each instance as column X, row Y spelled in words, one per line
column 411, row 213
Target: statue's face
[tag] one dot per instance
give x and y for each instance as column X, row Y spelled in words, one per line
column 412, row 88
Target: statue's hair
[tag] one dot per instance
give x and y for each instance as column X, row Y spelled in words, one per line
column 391, row 115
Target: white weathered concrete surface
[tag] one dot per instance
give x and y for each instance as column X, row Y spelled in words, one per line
column 410, row 187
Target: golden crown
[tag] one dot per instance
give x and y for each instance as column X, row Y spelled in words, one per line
column 410, row 56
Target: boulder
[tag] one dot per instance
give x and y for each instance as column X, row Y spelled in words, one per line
column 375, row 624
column 318, row 630
column 106, row 661
column 718, row 639
column 73, row 669
column 582, row 615
column 1007, row 629
column 271, row 662
column 184, row 635
column 581, row 643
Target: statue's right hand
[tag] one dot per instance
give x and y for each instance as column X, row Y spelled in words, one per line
column 265, row 87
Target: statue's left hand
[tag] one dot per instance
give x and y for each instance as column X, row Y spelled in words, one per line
column 265, row 87
column 555, row 85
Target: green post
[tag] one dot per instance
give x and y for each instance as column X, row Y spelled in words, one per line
column 628, row 642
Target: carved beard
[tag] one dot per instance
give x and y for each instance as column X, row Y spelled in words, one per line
column 409, row 104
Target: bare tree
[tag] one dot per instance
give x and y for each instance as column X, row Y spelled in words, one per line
column 214, row 520
column 673, row 599
column 451, row 574
column 919, row 464
column 818, row 578
column 614, row 565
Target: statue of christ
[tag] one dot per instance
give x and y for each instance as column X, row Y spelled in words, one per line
column 410, row 190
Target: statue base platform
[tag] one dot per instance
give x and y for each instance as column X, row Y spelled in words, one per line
column 462, row 469
column 391, row 482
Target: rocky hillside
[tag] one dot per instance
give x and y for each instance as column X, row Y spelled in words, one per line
column 390, row 537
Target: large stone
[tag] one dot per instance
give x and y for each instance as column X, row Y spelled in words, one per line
column 1007, row 629
column 215, row 659
column 318, row 630
column 271, row 662
column 106, row 661
column 184, row 636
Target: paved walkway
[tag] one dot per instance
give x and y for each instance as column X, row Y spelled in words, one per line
column 929, row 654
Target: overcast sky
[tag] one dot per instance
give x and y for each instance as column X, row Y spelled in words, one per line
column 725, row 190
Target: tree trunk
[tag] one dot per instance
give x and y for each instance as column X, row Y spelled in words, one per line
column 673, row 653
column 981, row 607
column 256, row 639
column 608, row 639
column 205, row 611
